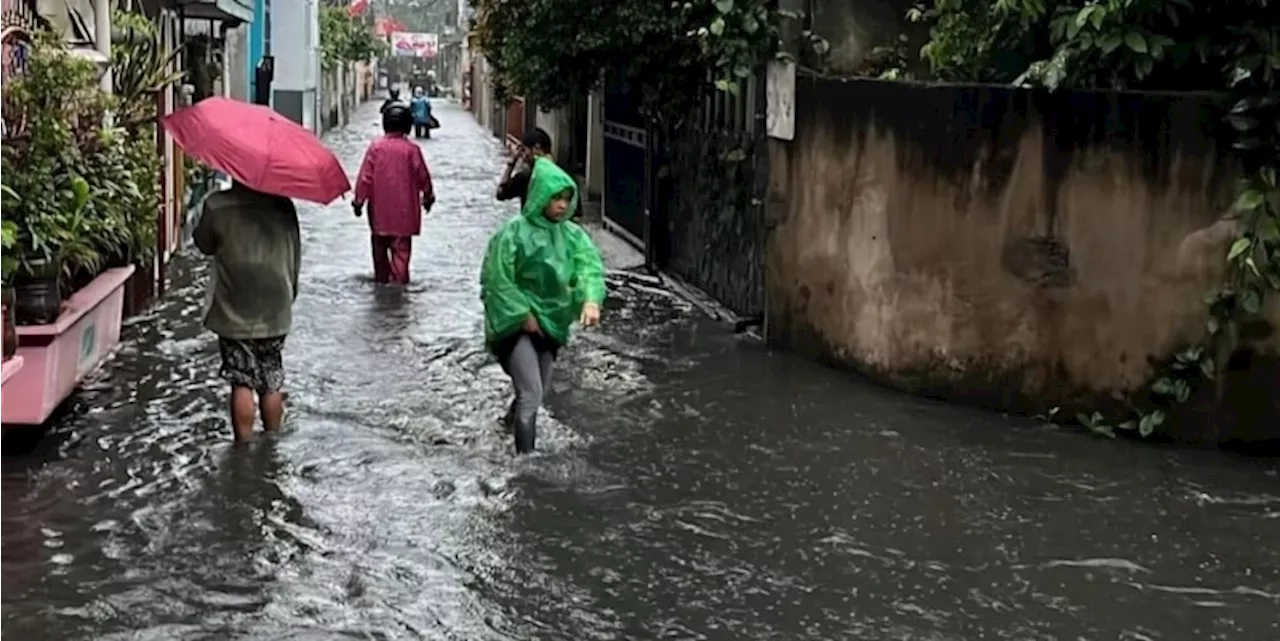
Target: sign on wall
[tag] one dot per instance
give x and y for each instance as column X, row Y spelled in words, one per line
column 780, row 100
column 88, row 348
column 421, row 45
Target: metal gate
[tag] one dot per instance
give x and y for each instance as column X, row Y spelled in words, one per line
column 714, row 197
column 626, row 141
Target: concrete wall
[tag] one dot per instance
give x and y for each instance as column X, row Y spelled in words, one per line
column 295, row 43
column 1015, row 249
column 235, row 63
column 556, row 124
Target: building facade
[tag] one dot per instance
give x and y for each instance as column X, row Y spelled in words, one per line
column 295, row 47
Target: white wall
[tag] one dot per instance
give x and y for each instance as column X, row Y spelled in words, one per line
column 235, row 57
column 295, row 43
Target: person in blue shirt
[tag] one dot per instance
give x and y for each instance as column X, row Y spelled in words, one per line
column 421, row 107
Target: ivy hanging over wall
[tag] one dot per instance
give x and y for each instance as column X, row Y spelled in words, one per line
column 673, row 52
column 1232, row 47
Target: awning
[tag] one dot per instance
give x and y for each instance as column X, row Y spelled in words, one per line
column 217, row 10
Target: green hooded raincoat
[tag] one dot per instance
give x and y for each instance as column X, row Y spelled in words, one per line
column 536, row 266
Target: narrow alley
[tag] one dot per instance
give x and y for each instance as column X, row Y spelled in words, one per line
column 690, row 485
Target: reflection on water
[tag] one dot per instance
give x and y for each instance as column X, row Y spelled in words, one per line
column 690, row 486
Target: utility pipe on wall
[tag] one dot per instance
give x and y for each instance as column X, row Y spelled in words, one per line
column 102, row 38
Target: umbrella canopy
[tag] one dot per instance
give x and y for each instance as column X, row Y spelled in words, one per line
column 260, row 148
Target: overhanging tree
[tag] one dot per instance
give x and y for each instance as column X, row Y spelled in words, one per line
column 672, row 52
column 345, row 39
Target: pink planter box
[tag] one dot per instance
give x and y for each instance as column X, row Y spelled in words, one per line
column 57, row 357
column 8, row 370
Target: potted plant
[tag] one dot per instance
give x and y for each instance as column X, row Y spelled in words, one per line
column 53, row 235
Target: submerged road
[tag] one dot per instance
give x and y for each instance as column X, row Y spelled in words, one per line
column 690, row 486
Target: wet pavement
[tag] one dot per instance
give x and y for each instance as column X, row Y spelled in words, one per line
column 691, row 486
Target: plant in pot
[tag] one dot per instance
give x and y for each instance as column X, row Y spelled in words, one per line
column 115, row 197
column 53, row 235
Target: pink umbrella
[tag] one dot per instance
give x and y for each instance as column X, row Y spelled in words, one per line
column 259, row 148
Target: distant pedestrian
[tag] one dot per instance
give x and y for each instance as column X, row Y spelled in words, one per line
column 541, row 272
column 396, row 184
column 393, row 97
column 515, row 179
column 254, row 241
column 421, row 106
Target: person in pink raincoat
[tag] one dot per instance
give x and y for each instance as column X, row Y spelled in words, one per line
column 395, row 183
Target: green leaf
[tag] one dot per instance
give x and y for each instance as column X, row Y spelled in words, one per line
column 1073, row 29
column 1248, row 200
column 1144, row 66
column 1162, row 386
column 1239, row 247
column 1136, row 42
column 1268, row 176
column 1110, row 42
column 1206, row 368
column 1251, row 303
column 1242, row 123
column 1083, row 16
column 1184, row 391
column 717, row 27
column 724, row 6
column 1149, row 422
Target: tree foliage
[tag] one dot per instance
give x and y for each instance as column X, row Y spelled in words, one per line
column 345, row 39
column 672, row 51
column 1149, row 44
column 1227, row 46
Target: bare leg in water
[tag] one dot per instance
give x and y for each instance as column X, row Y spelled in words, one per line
column 272, row 409
column 243, row 410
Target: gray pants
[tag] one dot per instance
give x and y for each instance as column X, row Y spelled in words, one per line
column 530, row 372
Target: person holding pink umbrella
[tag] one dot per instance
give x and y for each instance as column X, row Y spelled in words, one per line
column 257, row 253
column 396, row 184
column 251, row 232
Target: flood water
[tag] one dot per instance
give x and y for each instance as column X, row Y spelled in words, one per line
column 690, row 485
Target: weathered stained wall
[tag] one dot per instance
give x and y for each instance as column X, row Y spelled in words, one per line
column 1019, row 250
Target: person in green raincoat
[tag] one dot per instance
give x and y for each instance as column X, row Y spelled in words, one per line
column 541, row 272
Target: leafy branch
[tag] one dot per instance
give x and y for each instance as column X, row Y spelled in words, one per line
column 344, row 39
column 672, row 52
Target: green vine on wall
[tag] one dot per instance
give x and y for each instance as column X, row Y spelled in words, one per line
column 1233, row 47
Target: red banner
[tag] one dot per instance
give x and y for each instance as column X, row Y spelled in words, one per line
column 387, row 26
